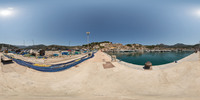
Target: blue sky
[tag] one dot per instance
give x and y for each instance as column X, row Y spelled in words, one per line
column 119, row 21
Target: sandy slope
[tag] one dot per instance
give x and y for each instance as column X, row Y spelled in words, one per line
column 91, row 81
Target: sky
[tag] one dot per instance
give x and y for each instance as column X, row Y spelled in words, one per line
column 65, row 22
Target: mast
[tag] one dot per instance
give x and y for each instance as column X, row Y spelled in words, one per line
column 33, row 42
column 88, row 33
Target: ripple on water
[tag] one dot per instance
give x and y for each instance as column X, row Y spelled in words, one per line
column 157, row 58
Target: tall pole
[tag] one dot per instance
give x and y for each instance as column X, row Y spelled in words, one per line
column 24, row 42
column 88, row 33
column 69, row 45
column 33, row 42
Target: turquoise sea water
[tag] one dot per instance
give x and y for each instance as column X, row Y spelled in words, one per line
column 156, row 58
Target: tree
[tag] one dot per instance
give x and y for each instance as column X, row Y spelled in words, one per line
column 129, row 45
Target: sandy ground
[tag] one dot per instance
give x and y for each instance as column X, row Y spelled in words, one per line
column 90, row 81
column 50, row 60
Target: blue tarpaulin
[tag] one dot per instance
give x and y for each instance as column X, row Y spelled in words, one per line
column 65, row 53
column 56, row 55
column 52, row 68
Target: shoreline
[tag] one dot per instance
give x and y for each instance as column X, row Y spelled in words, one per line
column 157, row 67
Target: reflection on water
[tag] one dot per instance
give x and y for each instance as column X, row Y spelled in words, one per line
column 157, row 58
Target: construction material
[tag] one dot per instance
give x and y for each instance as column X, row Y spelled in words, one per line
column 5, row 59
column 42, row 52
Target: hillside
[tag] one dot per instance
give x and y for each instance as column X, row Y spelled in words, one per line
column 104, row 45
column 8, row 46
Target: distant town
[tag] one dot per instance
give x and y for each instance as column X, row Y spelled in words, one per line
column 109, row 46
